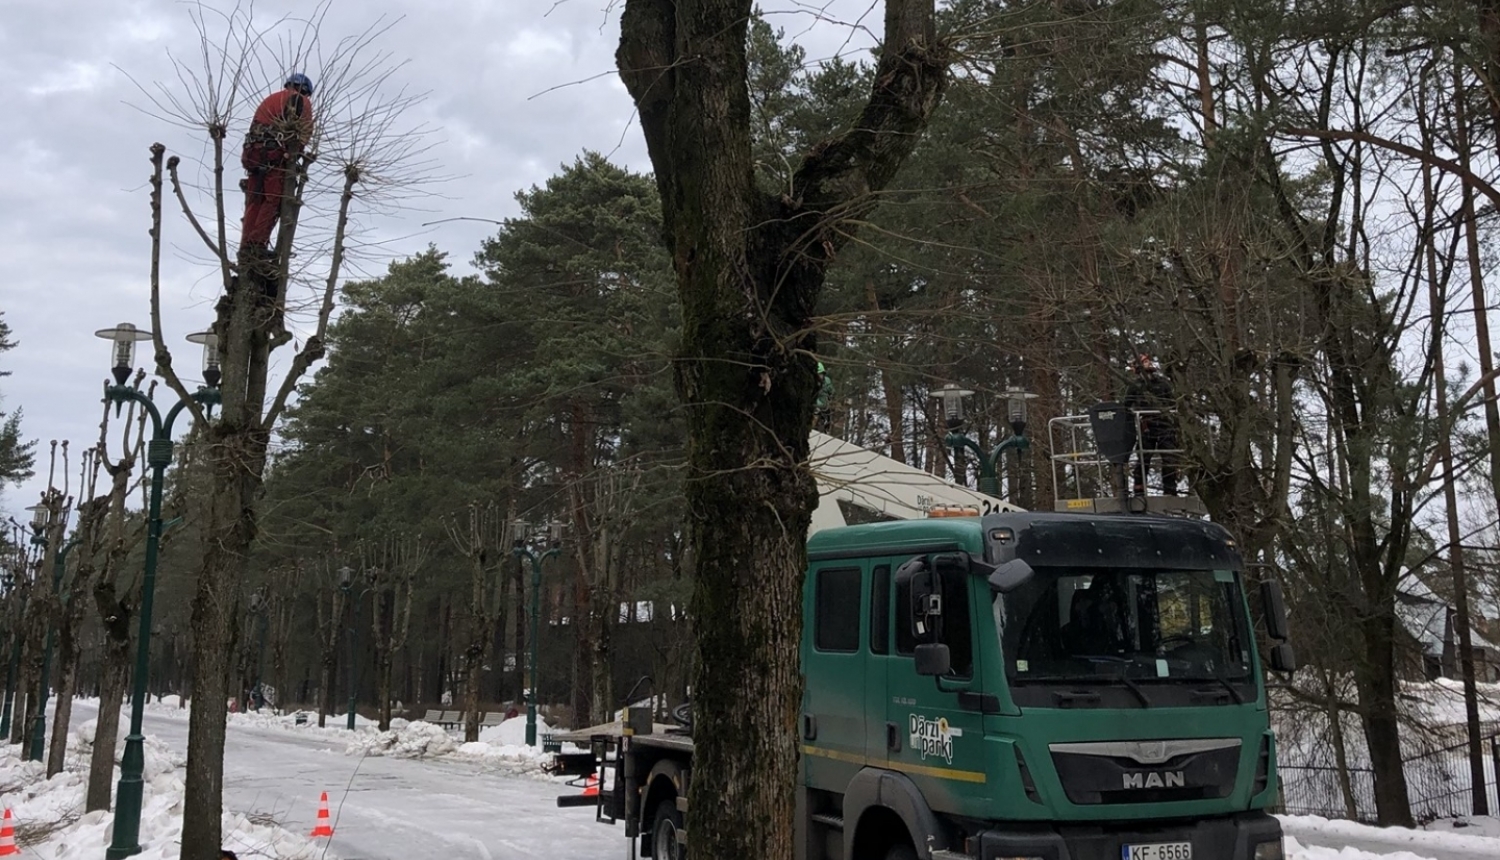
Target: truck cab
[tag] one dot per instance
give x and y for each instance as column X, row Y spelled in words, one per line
column 1034, row 685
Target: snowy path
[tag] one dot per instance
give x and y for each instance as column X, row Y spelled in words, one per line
column 396, row 809
column 387, row 808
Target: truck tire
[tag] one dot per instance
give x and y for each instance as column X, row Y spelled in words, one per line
column 901, row 851
column 664, row 829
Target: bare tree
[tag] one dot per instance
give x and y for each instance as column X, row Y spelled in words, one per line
column 329, row 600
column 395, row 562
column 750, row 267
column 359, row 151
column 109, row 535
column 479, row 534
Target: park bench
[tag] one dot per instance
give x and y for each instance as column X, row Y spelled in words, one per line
column 446, row 719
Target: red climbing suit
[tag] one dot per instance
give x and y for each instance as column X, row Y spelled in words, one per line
column 281, row 127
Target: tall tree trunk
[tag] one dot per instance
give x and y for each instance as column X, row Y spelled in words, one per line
column 114, row 674
column 1492, row 427
column 325, row 688
column 236, row 452
column 749, row 270
column 474, row 664
column 383, row 688
column 1375, row 677
column 68, row 648
column 602, row 613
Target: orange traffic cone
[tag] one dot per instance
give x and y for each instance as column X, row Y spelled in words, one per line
column 8, row 837
column 323, row 828
column 591, row 786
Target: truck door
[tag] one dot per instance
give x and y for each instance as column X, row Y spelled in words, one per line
column 934, row 726
column 877, row 667
column 833, row 713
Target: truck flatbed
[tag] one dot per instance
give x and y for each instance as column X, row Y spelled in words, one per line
column 663, row 735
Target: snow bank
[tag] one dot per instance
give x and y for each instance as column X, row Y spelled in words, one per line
column 1424, row 843
column 512, row 732
column 50, row 821
column 416, row 740
column 1297, row 851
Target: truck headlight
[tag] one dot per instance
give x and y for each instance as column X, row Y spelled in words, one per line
column 1269, row 851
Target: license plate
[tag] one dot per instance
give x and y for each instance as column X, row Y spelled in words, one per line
column 1158, row 851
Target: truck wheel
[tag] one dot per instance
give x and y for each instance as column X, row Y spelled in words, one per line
column 664, row 844
column 901, row 851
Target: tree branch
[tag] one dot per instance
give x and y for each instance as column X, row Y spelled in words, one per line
column 213, row 247
column 646, row 59
column 163, row 356
column 314, row 349
column 1446, row 165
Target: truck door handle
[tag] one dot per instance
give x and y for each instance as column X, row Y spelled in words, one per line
column 892, row 738
column 809, row 727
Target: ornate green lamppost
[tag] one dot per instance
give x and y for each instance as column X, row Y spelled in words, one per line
column 123, row 337
column 989, row 463
column 519, row 535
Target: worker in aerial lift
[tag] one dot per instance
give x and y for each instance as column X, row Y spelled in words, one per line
column 1150, row 396
column 823, row 408
column 279, row 131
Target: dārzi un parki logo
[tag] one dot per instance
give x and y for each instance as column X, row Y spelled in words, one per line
column 933, row 738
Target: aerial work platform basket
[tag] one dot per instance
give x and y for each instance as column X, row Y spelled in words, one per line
column 1095, row 456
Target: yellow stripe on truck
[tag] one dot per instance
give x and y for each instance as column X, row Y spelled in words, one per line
column 918, row 769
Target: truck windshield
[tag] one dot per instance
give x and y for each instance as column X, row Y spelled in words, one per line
column 1124, row 626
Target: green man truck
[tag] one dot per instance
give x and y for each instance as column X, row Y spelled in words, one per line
column 1057, row 686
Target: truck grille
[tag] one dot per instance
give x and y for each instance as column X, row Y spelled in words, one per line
column 1147, row 772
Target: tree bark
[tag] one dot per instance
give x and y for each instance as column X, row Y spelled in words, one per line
column 236, row 454
column 114, row 673
column 749, row 270
column 68, row 649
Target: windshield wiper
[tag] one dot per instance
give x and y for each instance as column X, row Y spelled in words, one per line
column 1131, row 686
column 1239, row 699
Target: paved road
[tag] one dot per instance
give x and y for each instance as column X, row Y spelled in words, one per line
column 399, row 809
column 396, row 809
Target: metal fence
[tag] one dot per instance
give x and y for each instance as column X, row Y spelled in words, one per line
column 1438, row 783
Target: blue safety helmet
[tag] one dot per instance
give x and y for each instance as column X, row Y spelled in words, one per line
column 302, row 82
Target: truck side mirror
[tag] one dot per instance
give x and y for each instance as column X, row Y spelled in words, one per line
column 1274, row 606
column 1283, row 658
column 1010, row 576
column 925, row 588
column 933, row 659
column 926, row 607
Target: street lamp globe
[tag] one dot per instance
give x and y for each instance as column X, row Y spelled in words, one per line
column 41, row 517
column 211, row 371
column 555, row 533
column 1015, row 398
column 953, row 403
column 123, row 337
column 346, row 577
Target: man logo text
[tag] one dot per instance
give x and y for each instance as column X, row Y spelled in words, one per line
column 1155, row 779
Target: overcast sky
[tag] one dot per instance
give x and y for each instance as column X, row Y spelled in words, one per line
column 518, row 87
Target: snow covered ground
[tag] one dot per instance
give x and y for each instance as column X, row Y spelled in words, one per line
column 415, row 793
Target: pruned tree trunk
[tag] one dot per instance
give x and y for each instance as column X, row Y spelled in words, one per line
column 114, row 672
column 68, row 651
column 750, row 268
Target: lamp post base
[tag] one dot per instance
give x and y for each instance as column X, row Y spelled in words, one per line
column 531, row 725
column 126, row 840
column 351, row 715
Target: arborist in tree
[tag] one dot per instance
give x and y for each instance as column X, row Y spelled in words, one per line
column 1150, row 397
column 823, row 409
column 280, row 129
